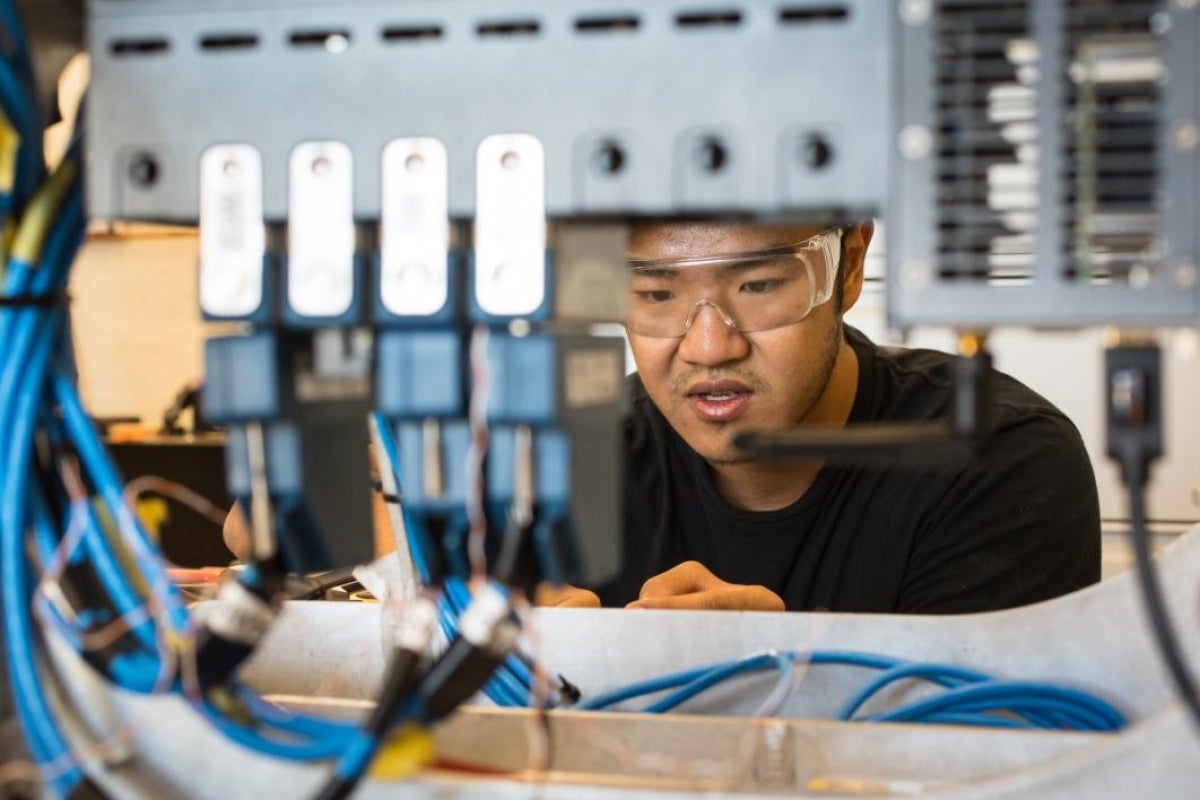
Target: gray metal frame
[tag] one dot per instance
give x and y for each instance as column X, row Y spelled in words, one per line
column 761, row 86
column 661, row 91
column 916, row 294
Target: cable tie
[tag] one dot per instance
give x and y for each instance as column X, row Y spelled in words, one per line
column 50, row 300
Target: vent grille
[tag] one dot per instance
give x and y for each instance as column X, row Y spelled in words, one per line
column 989, row 140
column 1113, row 87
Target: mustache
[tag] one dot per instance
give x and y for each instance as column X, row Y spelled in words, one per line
column 680, row 385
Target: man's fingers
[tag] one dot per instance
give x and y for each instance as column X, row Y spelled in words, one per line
column 565, row 597
column 236, row 532
column 686, row 578
column 735, row 598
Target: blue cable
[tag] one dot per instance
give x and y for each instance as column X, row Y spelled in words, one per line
column 47, row 743
column 781, row 661
column 970, row 697
column 933, row 673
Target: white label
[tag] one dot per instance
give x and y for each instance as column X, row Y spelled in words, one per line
column 510, row 224
column 415, row 227
column 238, row 615
column 594, row 377
column 321, row 229
column 232, row 236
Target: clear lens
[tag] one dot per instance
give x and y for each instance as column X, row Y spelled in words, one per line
column 753, row 291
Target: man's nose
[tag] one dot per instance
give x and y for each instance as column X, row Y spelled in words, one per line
column 711, row 339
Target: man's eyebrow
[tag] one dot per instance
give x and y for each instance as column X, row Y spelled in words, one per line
column 655, row 272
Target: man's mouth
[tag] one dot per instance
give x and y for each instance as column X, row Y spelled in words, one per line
column 719, row 401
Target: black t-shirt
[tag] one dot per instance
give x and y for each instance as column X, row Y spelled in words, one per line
column 1021, row 524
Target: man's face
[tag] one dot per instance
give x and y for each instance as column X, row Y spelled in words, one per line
column 714, row 381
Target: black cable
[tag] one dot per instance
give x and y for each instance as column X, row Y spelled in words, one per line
column 1156, row 608
column 51, row 300
column 1135, row 441
column 405, row 672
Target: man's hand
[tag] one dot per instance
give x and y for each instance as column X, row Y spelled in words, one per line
column 565, row 597
column 691, row 586
column 236, row 532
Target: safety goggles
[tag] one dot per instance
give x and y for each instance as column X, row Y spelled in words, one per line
column 753, row 291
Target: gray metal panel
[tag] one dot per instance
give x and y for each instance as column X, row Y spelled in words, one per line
column 1046, row 23
column 916, row 293
column 658, row 90
column 1180, row 167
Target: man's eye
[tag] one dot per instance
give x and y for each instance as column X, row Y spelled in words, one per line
column 655, row 296
column 765, row 286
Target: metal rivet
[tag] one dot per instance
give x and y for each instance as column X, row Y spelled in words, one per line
column 1185, row 275
column 1140, row 276
column 915, row 142
column 916, row 274
column 144, row 170
column 511, row 160
column 231, row 168
column 915, row 12
column 1187, row 136
column 337, row 44
column 321, row 166
column 415, row 163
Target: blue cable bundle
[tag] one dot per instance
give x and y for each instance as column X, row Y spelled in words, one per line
column 68, row 529
column 969, row 697
column 512, row 684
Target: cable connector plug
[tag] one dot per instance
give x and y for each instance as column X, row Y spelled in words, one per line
column 487, row 635
column 231, row 626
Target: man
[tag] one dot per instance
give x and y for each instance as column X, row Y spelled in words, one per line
column 739, row 327
column 736, row 327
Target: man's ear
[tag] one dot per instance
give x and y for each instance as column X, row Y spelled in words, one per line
column 854, row 251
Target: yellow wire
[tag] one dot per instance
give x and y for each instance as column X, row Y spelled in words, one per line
column 10, row 143
column 407, row 751
column 39, row 215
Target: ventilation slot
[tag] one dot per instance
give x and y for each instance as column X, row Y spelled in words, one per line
column 123, row 48
column 1113, row 77
column 985, row 138
column 412, row 33
column 333, row 40
column 618, row 24
column 509, row 28
column 226, row 42
column 709, row 19
column 808, row 15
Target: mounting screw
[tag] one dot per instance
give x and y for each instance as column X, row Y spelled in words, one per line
column 1187, row 135
column 510, row 161
column 1185, row 275
column 711, row 155
column 916, row 274
column 816, row 152
column 915, row 142
column 915, row 12
column 415, row 163
column 144, row 170
column 1140, row 276
column 609, row 157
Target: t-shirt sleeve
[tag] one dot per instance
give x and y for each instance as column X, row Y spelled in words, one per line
column 1019, row 526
